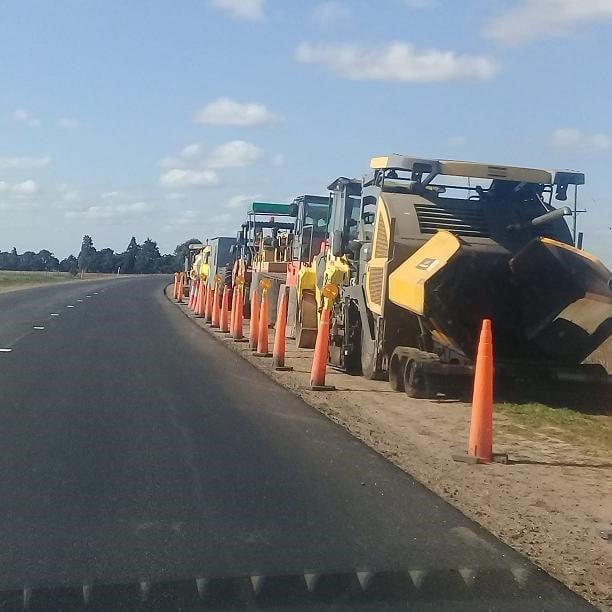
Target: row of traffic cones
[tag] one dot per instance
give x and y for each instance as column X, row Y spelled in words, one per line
column 205, row 302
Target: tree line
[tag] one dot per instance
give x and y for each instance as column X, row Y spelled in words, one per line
column 142, row 258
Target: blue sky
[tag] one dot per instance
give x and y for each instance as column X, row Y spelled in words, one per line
column 162, row 119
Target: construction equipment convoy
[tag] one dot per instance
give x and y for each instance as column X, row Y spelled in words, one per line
column 422, row 251
column 275, row 241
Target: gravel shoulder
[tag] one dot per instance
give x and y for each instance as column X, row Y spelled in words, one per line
column 551, row 502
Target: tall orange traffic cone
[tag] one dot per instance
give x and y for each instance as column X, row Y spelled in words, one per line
column 319, row 361
column 233, row 310
column 180, row 295
column 190, row 299
column 208, row 306
column 254, row 322
column 238, row 334
column 262, row 336
column 224, row 317
column 216, row 313
column 196, row 292
column 201, row 301
column 175, row 289
column 480, row 444
column 278, row 353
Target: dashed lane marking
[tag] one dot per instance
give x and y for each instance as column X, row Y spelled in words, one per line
column 5, row 350
column 38, row 327
column 70, row 306
column 80, row 300
column 55, row 314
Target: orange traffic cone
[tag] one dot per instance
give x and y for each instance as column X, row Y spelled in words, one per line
column 233, row 310
column 254, row 323
column 480, row 444
column 190, row 299
column 319, row 361
column 278, row 353
column 180, row 295
column 216, row 312
column 175, row 288
column 224, row 318
column 208, row 306
column 200, row 302
column 262, row 335
column 238, row 334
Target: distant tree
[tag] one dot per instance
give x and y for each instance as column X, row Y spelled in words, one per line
column 182, row 250
column 28, row 261
column 104, row 261
column 87, row 253
column 70, row 264
column 148, row 258
column 47, row 261
column 168, row 265
column 13, row 260
column 129, row 257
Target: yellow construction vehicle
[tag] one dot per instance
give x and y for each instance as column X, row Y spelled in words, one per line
column 423, row 250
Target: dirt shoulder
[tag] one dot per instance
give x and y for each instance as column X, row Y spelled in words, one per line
column 550, row 503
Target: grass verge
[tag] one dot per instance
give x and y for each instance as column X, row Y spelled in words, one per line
column 564, row 423
column 16, row 279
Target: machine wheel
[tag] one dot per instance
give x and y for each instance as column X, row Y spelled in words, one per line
column 307, row 321
column 369, row 367
column 396, row 372
column 416, row 383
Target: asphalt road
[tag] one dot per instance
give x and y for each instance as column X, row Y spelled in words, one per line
column 136, row 449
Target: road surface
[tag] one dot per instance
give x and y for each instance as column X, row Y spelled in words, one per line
column 137, row 452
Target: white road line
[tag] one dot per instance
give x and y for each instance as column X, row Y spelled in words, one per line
column 95, row 293
column 80, row 300
column 70, row 306
column 88, row 296
column 5, row 350
column 55, row 314
column 38, row 327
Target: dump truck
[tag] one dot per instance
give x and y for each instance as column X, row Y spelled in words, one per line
column 424, row 249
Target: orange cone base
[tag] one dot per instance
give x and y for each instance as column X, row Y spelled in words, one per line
column 240, row 339
column 497, row 458
column 322, row 388
column 281, row 368
column 256, row 354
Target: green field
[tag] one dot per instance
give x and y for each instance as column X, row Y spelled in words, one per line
column 9, row 279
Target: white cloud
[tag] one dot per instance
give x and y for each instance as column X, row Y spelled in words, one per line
column 175, row 195
column 25, row 188
column 573, row 138
column 529, row 19
column 225, row 111
column 191, row 150
column 241, row 201
column 23, row 116
column 3, row 186
column 177, row 178
column 331, row 13
column 69, row 122
column 113, row 195
column 252, row 10
column 396, row 62
column 170, row 162
column 234, row 154
column 72, row 195
column 23, row 163
column 110, row 211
